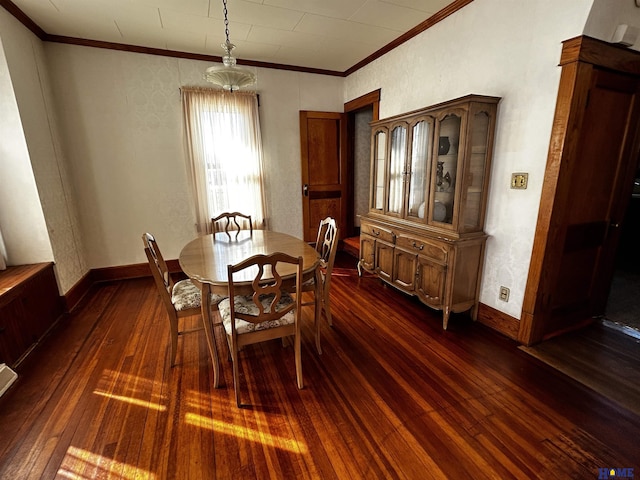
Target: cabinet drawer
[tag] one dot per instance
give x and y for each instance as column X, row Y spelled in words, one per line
column 377, row 232
column 423, row 247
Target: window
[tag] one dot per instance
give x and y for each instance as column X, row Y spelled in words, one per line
column 224, row 154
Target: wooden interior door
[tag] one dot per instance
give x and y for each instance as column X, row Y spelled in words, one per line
column 325, row 181
column 590, row 170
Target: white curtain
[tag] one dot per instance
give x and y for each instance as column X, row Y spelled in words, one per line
column 224, row 154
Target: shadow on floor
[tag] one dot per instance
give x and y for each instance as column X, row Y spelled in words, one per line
column 623, row 306
column 598, row 356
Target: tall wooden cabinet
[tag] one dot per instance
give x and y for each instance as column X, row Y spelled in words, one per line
column 429, row 176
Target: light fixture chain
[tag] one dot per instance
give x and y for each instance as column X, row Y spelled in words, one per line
column 226, row 19
column 229, row 77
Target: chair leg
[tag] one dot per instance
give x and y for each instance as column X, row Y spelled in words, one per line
column 173, row 325
column 298, row 358
column 326, row 306
column 229, row 348
column 318, row 319
column 236, row 376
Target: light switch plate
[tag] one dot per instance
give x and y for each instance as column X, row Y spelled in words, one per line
column 519, row 180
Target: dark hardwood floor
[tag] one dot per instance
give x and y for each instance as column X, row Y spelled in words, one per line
column 392, row 396
column 599, row 356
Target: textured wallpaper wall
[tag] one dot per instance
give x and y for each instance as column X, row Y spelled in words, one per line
column 52, row 234
column 362, row 160
column 104, row 135
column 504, row 49
column 121, row 127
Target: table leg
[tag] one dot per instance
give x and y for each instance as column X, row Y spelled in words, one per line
column 208, row 331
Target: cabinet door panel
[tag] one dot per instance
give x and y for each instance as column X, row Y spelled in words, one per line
column 367, row 252
column 384, row 260
column 420, row 159
column 404, row 269
column 431, row 279
column 445, row 169
column 397, row 165
column 378, row 181
column 473, row 188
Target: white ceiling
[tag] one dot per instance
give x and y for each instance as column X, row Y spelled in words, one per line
column 324, row 34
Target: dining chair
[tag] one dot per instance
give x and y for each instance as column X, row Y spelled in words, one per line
column 327, row 247
column 229, row 220
column 181, row 299
column 266, row 313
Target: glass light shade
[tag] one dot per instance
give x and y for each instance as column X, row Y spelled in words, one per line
column 229, row 76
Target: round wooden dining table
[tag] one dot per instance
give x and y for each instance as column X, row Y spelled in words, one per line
column 205, row 259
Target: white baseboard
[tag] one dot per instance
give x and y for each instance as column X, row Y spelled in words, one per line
column 7, row 377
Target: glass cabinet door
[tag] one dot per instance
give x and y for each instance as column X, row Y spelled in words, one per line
column 397, row 159
column 379, row 153
column 420, row 156
column 474, row 184
column 443, row 182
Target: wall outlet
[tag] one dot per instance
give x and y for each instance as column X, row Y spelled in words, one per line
column 519, row 180
column 504, row 294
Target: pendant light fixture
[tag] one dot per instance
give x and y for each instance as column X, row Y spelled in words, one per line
column 229, row 76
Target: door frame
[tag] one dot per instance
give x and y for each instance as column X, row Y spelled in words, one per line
column 368, row 100
column 579, row 56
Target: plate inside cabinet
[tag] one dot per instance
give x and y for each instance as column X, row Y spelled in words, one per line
column 439, row 211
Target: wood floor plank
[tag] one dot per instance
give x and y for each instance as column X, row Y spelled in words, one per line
column 393, row 396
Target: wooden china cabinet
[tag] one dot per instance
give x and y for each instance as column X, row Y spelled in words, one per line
column 429, row 177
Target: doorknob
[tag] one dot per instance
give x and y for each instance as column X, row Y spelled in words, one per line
column 305, row 190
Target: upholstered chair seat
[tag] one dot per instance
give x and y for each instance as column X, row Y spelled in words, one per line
column 246, row 305
column 186, row 295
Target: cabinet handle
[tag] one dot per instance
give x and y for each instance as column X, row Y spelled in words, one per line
column 376, row 233
column 415, row 245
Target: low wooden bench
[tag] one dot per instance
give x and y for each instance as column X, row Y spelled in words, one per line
column 29, row 305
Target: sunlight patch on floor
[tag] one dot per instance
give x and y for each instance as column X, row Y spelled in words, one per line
column 242, row 432
column 78, row 461
column 132, row 401
column 126, row 388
